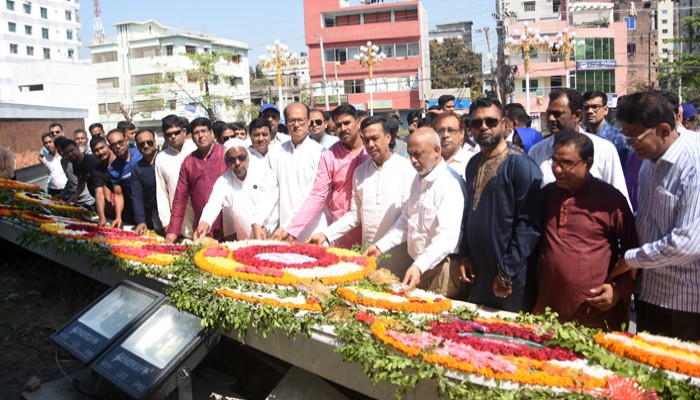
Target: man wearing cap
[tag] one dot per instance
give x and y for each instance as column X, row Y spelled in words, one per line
column 247, row 196
column 690, row 116
column 271, row 113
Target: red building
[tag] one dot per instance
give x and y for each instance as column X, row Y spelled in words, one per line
column 341, row 27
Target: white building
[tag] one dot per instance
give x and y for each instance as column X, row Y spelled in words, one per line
column 39, row 65
column 665, row 27
column 460, row 30
column 142, row 54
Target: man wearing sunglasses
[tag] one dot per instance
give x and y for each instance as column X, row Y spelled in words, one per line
column 332, row 187
column 564, row 111
column 668, row 218
column 143, row 184
column 120, row 173
column 199, row 170
column 246, row 194
column 167, row 169
column 317, row 130
column 55, row 129
column 502, row 219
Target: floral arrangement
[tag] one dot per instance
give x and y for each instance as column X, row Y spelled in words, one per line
column 506, row 352
column 279, row 263
column 16, row 185
column 48, row 201
column 298, row 302
column 163, row 254
column 415, row 301
column 8, row 210
column 47, row 219
column 657, row 351
column 89, row 231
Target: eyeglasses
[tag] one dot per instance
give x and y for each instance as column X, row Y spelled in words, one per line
column 316, row 122
column 451, row 131
column 225, row 138
column 594, row 107
column 168, row 135
column 490, row 122
column 241, row 158
column 117, row 143
column 636, row 139
column 300, row 121
column 566, row 166
column 145, row 143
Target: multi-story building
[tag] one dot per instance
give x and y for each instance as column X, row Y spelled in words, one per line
column 144, row 72
column 295, row 83
column 39, row 63
column 336, row 29
column 461, row 30
column 685, row 8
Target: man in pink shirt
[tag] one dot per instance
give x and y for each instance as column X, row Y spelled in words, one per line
column 334, row 176
column 198, row 173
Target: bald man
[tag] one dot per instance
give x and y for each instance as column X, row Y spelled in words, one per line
column 430, row 222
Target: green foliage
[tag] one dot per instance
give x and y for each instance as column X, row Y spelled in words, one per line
column 453, row 66
column 685, row 68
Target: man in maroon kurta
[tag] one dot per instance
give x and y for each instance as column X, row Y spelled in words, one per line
column 198, row 173
column 588, row 226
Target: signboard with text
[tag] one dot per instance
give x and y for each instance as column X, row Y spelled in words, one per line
column 596, row 64
column 332, row 99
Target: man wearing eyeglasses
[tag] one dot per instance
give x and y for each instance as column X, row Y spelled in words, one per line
column 451, row 130
column 595, row 109
column 120, row 173
column 564, row 111
column 199, row 170
column 317, row 130
column 668, row 218
column 295, row 164
column 246, row 194
column 332, row 187
column 502, row 219
column 588, row 226
column 143, row 184
column 167, row 168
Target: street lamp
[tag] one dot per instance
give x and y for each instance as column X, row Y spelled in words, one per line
column 525, row 42
column 278, row 57
column 564, row 44
column 368, row 57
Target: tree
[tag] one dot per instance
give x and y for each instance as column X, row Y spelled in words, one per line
column 684, row 70
column 453, row 66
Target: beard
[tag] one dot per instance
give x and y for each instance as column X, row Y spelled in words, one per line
column 488, row 140
column 83, row 148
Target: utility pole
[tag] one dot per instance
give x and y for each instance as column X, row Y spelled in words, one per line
column 485, row 31
column 323, row 68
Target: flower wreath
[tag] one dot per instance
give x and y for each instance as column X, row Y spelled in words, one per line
column 505, row 352
column 256, row 261
column 47, row 219
column 7, row 210
column 415, row 301
column 48, row 201
column 16, row 185
column 163, row 254
column 299, row 302
column 657, row 351
column 88, row 231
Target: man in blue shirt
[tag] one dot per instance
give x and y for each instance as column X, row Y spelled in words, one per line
column 595, row 109
column 120, row 174
column 143, row 184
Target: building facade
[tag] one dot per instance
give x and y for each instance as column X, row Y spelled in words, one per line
column 145, row 72
column 39, row 63
column 461, row 30
column 336, row 29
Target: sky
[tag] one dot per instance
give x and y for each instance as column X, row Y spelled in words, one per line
column 260, row 26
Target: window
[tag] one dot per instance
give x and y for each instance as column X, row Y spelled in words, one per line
column 354, row 86
column 529, row 5
column 172, row 105
column 109, row 56
column 347, row 20
column 664, row 31
column 329, row 55
column 108, row 83
column 169, row 50
column 413, row 49
column 47, row 54
column 631, row 49
column 191, row 77
column 597, row 49
column 12, row 27
column 145, row 52
column 341, row 55
column 169, row 77
column 69, row 16
column 328, row 22
column 31, row 88
column 631, row 23
column 401, row 50
column 10, row 5
column 70, row 53
column 44, row 13
column 233, row 81
column 69, row 34
column 376, row 18
column 664, row 21
column 407, row 15
column 190, row 50
column 664, row 12
column 557, row 81
column 27, row 8
column 13, row 48
column 388, row 49
column 30, row 50
column 600, row 80
column 556, row 5
column 28, row 29
column 534, row 85
column 44, row 33
column 146, row 79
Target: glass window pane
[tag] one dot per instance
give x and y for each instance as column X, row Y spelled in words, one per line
column 413, row 49
column 388, row 49
column 329, row 55
column 401, row 50
column 352, row 51
column 590, row 54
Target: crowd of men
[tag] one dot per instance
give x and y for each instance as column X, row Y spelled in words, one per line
column 478, row 207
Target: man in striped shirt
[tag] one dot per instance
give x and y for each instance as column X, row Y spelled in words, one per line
column 668, row 220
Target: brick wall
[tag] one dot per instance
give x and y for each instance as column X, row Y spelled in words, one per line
column 23, row 137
